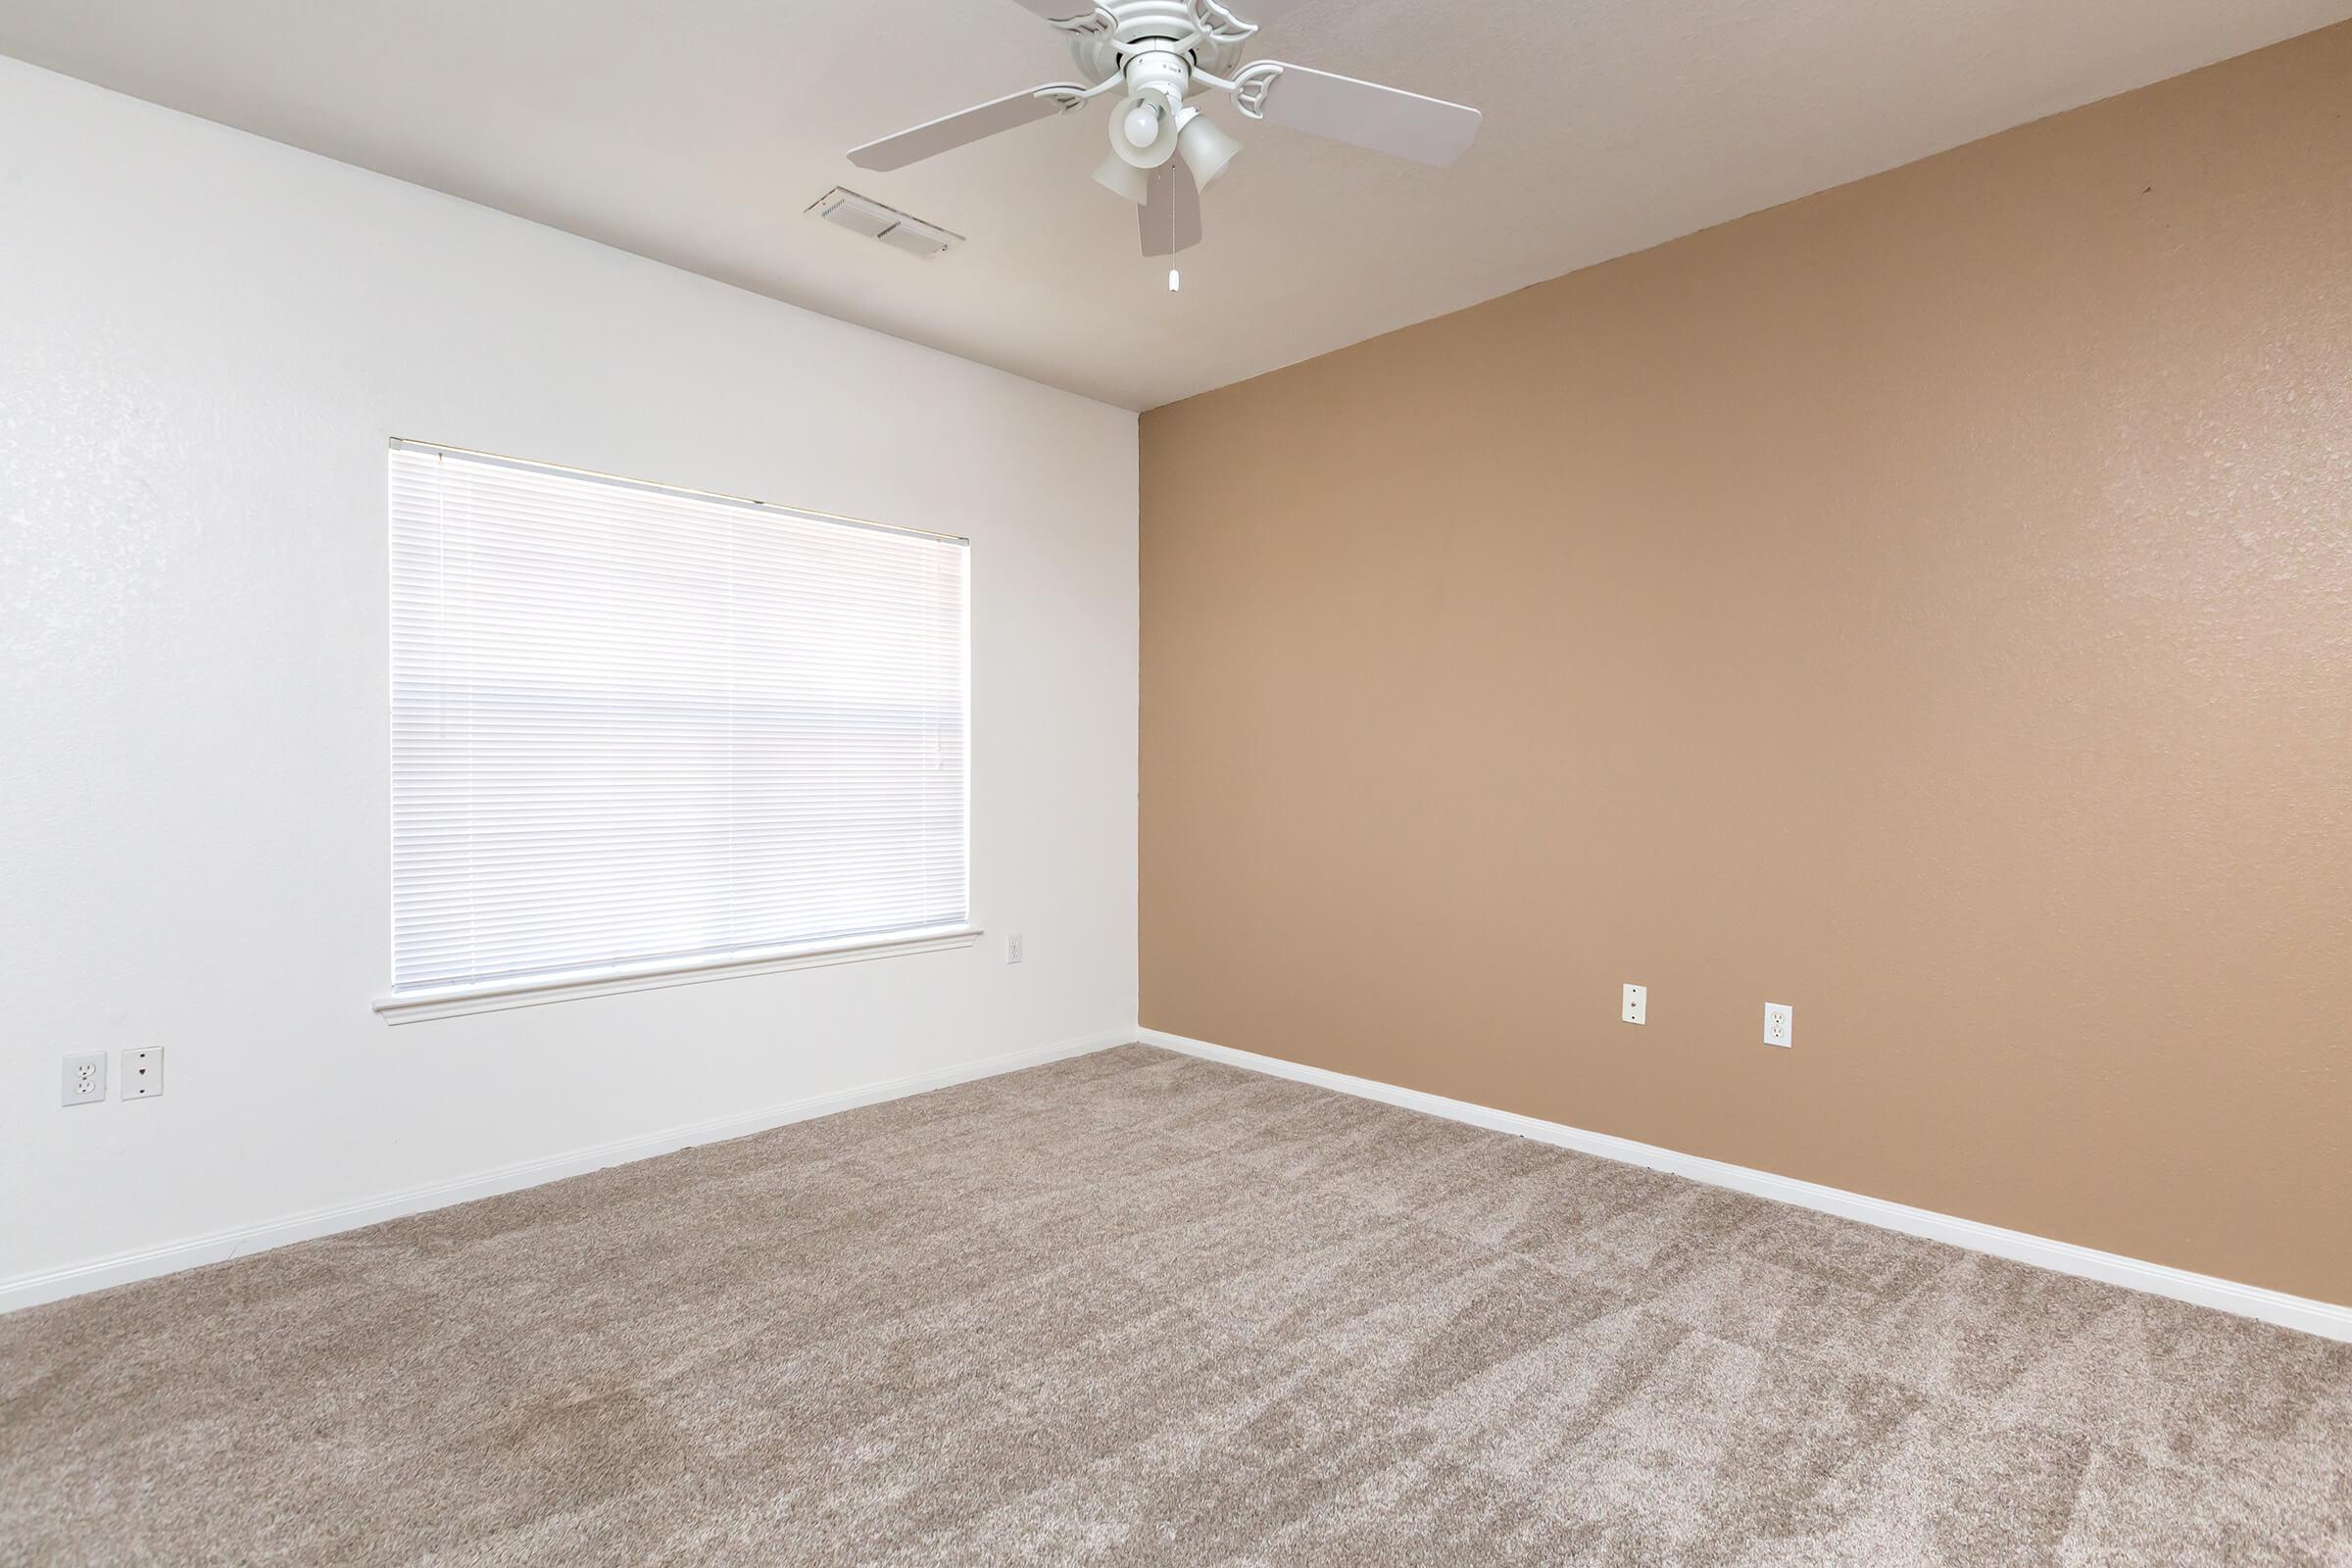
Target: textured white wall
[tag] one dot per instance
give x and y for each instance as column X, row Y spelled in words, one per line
column 206, row 340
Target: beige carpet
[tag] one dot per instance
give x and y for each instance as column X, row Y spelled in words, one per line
column 1136, row 1308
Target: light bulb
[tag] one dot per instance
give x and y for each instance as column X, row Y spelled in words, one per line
column 1141, row 125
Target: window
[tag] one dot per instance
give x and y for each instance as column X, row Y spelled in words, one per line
column 638, row 731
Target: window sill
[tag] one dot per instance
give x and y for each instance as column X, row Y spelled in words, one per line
column 444, row 1001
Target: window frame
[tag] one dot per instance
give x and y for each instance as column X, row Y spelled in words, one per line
column 399, row 1005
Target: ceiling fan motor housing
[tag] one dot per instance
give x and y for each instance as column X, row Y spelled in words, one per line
column 1204, row 32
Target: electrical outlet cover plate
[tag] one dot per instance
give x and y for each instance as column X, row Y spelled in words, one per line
column 1013, row 947
column 1636, row 1004
column 1779, row 1024
column 85, row 1078
column 143, row 1072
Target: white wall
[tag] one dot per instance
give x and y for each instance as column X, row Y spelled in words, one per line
column 206, row 341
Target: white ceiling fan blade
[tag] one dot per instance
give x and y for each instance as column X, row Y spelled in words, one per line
column 954, row 130
column 1256, row 13
column 1387, row 120
column 1170, row 218
column 1061, row 13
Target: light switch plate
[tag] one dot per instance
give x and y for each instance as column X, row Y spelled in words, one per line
column 143, row 1072
column 1013, row 947
column 1636, row 1004
column 1780, row 1025
column 85, row 1078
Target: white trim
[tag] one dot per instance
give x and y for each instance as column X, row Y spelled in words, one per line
column 32, row 1289
column 446, row 1002
column 2323, row 1318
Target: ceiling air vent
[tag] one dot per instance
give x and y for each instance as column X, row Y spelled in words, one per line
column 862, row 215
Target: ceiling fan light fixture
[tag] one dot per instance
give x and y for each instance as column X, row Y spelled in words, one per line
column 1144, row 127
column 1123, row 178
column 1133, row 114
column 1203, row 145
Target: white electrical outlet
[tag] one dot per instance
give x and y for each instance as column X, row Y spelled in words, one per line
column 1636, row 1004
column 1779, row 1024
column 85, row 1078
column 143, row 1072
column 1013, row 947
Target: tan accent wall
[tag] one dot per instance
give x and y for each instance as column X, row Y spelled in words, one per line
column 1928, row 604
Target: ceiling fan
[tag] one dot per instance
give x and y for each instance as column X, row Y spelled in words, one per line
column 1155, row 54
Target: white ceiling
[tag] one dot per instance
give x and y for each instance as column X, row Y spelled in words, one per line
column 695, row 133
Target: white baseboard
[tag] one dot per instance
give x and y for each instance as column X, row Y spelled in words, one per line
column 2323, row 1318
column 32, row 1289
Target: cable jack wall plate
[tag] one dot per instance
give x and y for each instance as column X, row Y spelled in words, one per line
column 142, row 1072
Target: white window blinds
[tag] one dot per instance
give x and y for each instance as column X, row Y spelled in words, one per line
column 632, row 724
